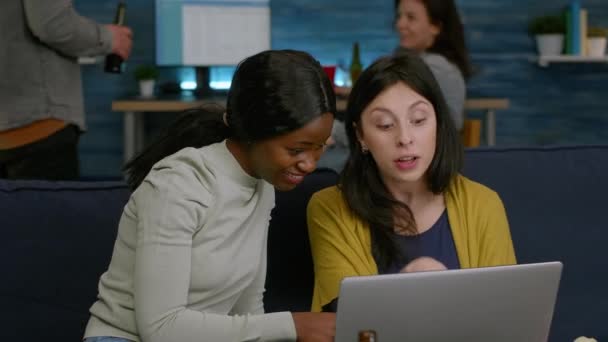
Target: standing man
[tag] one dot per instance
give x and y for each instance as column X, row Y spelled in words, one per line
column 41, row 101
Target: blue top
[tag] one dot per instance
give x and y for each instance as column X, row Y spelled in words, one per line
column 437, row 243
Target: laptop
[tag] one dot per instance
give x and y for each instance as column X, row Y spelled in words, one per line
column 501, row 303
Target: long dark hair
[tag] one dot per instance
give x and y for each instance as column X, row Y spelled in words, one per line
column 450, row 42
column 360, row 180
column 272, row 93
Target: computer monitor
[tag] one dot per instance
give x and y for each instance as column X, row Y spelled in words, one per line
column 208, row 33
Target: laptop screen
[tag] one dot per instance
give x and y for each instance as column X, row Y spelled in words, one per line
column 502, row 303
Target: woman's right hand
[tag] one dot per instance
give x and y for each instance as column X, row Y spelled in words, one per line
column 315, row 326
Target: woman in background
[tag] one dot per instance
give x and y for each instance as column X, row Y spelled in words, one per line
column 401, row 204
column 433, row 29
column 189, row 262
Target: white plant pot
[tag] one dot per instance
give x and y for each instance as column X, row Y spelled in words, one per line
column 550, row 44
column 596, row 46
column 146, row 88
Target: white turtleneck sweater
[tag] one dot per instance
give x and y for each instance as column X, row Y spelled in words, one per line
column 189, row 262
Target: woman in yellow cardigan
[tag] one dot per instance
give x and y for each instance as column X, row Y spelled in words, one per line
column 401, row 204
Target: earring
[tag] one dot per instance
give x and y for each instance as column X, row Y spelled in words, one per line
column 364, row 149
column 225, row 118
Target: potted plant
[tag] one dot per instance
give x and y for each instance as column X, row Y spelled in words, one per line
column 146, row 75
column 596, row 41
column 548, row 31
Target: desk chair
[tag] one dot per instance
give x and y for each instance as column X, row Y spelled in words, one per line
column 471, row 132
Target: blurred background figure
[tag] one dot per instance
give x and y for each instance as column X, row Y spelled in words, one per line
column 41, row 101
column 433, row 28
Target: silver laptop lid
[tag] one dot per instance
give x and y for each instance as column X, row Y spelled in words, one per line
column 503, row 303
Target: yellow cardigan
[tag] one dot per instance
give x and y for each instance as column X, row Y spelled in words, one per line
column 341, row 242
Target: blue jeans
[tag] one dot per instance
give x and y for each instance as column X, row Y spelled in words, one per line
column 106, row 339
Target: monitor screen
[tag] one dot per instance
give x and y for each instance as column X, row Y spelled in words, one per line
column 210, row 32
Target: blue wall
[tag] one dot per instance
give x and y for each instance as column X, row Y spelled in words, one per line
column 561, row 104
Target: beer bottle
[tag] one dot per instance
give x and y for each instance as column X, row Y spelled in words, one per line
column 355, row 65
column 114, row 63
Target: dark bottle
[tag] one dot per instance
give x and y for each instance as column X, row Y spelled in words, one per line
column 114, row 63
column 367, row 336
column 355, row 65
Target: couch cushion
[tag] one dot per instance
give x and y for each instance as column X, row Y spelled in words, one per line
column 290, row 274
column 555, row 199
column 57, row 239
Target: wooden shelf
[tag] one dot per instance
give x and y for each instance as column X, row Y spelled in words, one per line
column 544, row 61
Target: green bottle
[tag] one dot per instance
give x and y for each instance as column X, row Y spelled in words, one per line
column 355, row 65
column 114, row 63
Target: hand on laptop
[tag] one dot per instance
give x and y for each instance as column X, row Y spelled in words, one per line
column 312, row 326
column 585, row 339
column 423, row 264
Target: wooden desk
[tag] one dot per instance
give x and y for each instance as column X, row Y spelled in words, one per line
column 488, row 105
column 133, row 119
column 134, row 109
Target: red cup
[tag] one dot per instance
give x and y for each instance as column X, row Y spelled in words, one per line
column 330, row 70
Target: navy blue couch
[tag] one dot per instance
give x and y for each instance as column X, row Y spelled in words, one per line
column 555, row 200
column 57, row 239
